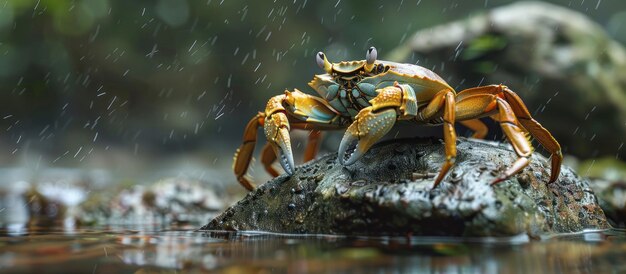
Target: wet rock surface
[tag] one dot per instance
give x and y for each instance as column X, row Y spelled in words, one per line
column 388, row 192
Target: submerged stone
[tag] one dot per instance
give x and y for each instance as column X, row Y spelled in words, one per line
column 388, row 192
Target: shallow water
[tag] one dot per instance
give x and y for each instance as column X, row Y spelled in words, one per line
column 157, row 249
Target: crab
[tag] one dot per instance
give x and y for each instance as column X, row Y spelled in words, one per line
column 367, row 97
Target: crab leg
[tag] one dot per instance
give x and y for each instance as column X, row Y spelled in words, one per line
column 480, row 101
column 243, row 155
column 480, row 104
column 479, row 128
column 518, row 138
column 267, row 158
column 313, row 144
column 443, row 100
column 537, row 130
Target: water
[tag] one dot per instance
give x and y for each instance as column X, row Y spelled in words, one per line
column 182, row 249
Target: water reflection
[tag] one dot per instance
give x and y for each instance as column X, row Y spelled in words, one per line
column 170, row 249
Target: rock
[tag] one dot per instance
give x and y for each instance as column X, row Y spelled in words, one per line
column 607, row 177
column 388, row 192
column 612, row 199
column 43, row 197
column 180, row 200
column 560, row 62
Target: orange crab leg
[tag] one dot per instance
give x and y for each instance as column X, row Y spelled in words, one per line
column 313, row 144
column 479, row 128
column 267, row 158
column 243, row 155
column 518, row 138
column 443, row 100
column 537, row 130
column 479, row 104
column 504, row 106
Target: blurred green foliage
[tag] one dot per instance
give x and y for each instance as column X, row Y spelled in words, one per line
column 482, row 45
column 178, row 74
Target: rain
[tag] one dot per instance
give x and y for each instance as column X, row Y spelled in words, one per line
column 133, row 136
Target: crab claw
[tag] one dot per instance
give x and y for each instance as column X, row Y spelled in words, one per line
column 367, row 128
column 283, row 151
column 277, row 133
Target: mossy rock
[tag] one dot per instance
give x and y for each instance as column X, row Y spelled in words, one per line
column 388, row 192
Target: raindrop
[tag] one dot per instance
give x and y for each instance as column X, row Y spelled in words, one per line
column 77, row 152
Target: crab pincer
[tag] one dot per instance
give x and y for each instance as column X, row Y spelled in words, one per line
column 368, row 127
column 277, row 133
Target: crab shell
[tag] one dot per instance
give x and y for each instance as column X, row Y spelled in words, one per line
column 424, row 82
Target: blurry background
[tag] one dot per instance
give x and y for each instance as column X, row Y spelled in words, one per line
column 127, row 84
column 129, row 112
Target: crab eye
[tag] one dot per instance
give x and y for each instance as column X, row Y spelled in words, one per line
column 319, row 58
column 371, row 55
